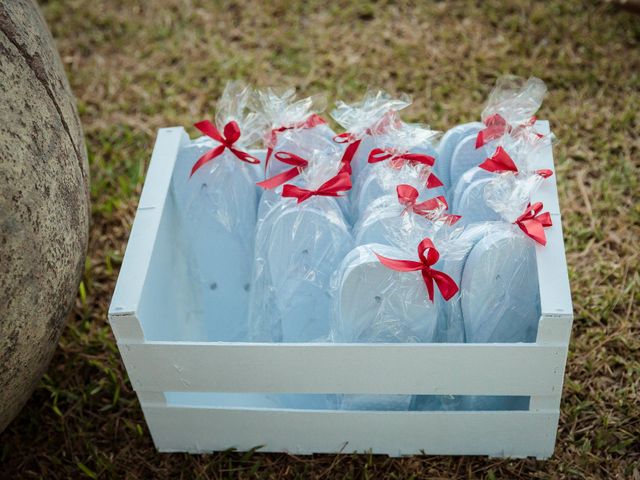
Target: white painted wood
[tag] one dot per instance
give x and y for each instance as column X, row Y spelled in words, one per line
column 137, row 259
column 554, row 330
column 498, row 369
column 553, row 277
column 168, row 294
column 159, row 338
column 498, row 434
column 157, row 399
column 163, row 159
column 126, row 326
column 548, row 191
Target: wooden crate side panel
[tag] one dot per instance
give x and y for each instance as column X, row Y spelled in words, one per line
column 138, row 254
column 553, row 276
column 548, row 191
column 497, row 434
column 476, row 369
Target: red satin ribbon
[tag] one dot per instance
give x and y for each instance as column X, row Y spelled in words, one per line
column 312, row 120
column 350, row 151
column 345, row 167
column 298, row 163
column 533, row 223
column 231, row 135
column 331, row 188
column 450, row 218
column 397, row 160
column 445, row 283
column 408, row 196
column 433, row 181
column 496, row 126
column 544, row 172
column 388, row 119
column 499, row 162
column 345, row 137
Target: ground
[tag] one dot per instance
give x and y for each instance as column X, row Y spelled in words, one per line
column 136, row 66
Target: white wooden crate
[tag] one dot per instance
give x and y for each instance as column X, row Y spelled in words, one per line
column 201, row 396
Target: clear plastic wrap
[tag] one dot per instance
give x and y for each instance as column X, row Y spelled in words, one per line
column 494, row 265
column 235, row 104
column 508, row 120
column 500, row 299
column 298, row 247
column 466, row 156
column 214, row 191
column 404, row 155
column 302, row 236
column 373, row 303
column 374, row 115
column 491, row 200
column 384, row 222
column 501, row 186
column 293, row 126
column 306, row 172
column 400, row 220
column 515, row 99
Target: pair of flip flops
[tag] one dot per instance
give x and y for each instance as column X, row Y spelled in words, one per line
column 466, row 180
column 218, row 229
column 494, row 265
column 374, row 304
column 457, row 152
column 298, row 247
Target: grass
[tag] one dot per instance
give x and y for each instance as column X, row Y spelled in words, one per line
column 136, row 66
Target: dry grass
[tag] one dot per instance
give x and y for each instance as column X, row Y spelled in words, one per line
column 136, row 66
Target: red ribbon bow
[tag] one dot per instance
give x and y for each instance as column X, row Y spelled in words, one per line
column 350, row 150
column 445, row 283
column 312, row 120
column 388, row 120
column 231, row 135
column 397, row 160
column 408, row 196
column 298, row 163
column 501, row 162
column 533, row 223
column 331, row 188
column 496, row 126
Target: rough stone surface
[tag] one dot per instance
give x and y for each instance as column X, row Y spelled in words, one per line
column 44, row 203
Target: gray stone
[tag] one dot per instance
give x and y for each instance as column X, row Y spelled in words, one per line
column 44, row 202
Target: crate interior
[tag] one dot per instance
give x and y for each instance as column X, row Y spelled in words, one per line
column 173, row 308
column 176, row 307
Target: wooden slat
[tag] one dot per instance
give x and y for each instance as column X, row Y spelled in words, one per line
column 137, row 258
column 475, row 369
column 158, row 179
column 548, row 191
column 553, row 277
column 497, row 434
